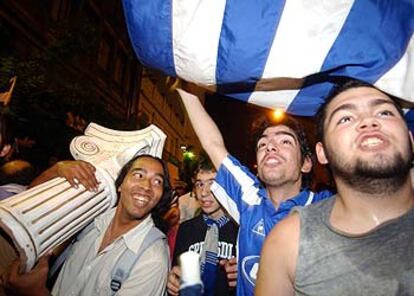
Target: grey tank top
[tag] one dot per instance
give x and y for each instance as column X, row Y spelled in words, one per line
column 380, row 262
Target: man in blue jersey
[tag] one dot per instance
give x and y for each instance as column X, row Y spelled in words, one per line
column 257, row 204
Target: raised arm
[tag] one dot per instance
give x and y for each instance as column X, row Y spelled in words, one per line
column 205, row 128
column 278, row 259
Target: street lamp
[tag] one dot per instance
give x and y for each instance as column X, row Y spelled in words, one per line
column 278, row 114
column 189, row 154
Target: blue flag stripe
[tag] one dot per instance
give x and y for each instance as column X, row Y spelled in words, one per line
column 149, row 28
column 357, row 53
column 371, row 45
column 245, row 41
column 308, row 100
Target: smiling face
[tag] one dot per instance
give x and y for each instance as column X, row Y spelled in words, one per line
column 365, row 137
column 208, row 203
column 141, row 189
column 278, row 156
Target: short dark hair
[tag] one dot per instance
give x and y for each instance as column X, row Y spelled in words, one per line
column 204, row 164
column 264, row 122
column 163, row 205
column 337, row 90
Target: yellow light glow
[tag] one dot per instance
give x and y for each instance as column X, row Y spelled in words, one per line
column 278, row 114
column 189, row 154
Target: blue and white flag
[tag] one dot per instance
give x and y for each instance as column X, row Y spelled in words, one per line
column 277, row 53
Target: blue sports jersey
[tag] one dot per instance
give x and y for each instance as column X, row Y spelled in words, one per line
column 246, row 200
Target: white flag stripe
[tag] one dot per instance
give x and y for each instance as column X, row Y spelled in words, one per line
column 295, row 50
column 196, row 34
column 400, row 78
column 273, row 99
column 319, row 40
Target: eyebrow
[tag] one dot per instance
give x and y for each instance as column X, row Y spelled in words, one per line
column 352, row 106
column 279, row 133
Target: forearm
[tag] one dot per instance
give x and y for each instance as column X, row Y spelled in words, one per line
column 74, row 171
column 31, row 283
column 47, row 175
column 205, row 128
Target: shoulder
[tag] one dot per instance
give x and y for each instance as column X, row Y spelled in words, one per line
column 154, row 260
column 312, row 215
column 232, row 166
column 193, row 222
column 150, row 272
column 158, row 251
column 277, row 268
column 316, row 207
column 321, row 195
column 284, row 237
column 285, row 230
column 190, row 230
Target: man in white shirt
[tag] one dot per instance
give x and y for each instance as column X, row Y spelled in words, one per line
column 144, row 195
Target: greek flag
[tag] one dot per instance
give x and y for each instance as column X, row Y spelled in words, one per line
column 277, row 53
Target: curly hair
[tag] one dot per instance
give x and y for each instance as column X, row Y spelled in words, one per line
column 162, row 207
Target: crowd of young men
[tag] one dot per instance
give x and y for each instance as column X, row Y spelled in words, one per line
column 357, row 242
column 256, row 203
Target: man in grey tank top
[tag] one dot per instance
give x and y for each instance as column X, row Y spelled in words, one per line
column 361, row 242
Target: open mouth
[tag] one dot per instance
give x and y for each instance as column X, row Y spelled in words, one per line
column 140, row 200
column 372, row 142
column 272, row 160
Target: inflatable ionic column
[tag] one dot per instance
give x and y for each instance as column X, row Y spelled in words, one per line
column 39, row 219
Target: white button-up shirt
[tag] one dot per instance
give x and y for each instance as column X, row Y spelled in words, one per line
column 87, row 272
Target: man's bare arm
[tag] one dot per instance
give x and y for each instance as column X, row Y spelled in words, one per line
column 32, row 283
column 278, row 259
column 205, row 128
column 73, row 171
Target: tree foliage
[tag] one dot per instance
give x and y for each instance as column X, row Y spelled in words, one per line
column 52, row 81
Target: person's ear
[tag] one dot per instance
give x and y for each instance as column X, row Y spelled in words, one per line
column 320, row 153
column 307, row 165
column 6, row 149
column 410, row 134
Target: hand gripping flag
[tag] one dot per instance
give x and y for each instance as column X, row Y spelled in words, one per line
column 277, row 53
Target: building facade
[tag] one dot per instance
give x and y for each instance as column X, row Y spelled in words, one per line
column 81, row 58
column 160, row 105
